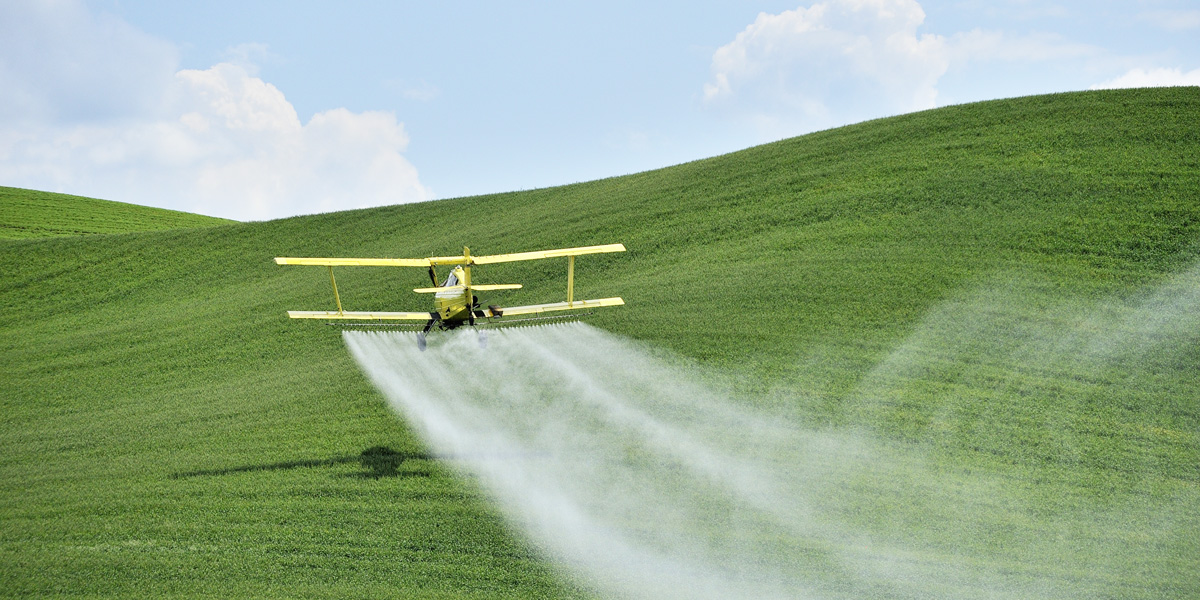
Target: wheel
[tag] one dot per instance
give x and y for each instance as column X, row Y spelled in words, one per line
column 482, row 339
column 421, row 341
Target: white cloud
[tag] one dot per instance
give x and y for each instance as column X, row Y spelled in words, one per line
column 1137, row 78
column 843, row 61
column 834, row 62
column 217, row 141
column 245, row 141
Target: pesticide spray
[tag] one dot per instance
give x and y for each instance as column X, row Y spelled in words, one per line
column 622, row 466
column 615, row 463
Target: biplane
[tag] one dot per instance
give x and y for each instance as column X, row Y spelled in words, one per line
column 454, row 299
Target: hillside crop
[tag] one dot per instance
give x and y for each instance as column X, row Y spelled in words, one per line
column 28, row 214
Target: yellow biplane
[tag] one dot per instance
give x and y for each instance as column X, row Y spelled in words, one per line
column 455, row 303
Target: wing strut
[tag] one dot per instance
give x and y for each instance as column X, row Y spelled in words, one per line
column 336, row 297
column 571, row 279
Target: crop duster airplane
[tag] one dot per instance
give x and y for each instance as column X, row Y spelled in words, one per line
column 455, row 303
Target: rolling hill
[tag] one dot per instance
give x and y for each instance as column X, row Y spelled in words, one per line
column 1003, row 291
column 31, row 214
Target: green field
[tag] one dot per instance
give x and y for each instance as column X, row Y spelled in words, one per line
column 1004, row 292
column 31, row 214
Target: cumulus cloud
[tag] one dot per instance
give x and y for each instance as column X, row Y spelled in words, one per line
column 867, row 54
column 218, row 141
column 843, row 61
column 1137, row 78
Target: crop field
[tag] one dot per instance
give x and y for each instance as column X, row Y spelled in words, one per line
column 949, row 354
column 31, row 214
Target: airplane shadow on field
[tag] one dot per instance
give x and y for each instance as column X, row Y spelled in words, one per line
column 377, row 462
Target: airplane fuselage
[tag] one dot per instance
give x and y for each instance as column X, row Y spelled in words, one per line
column 452, row 305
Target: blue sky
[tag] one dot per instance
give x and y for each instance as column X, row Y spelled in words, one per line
column 255, row 110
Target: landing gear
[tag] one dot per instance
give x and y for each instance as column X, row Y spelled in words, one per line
column 482, row 339
column 421, row 341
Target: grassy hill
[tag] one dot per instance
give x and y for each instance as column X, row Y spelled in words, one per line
column 31, row 214
column 1005, row 289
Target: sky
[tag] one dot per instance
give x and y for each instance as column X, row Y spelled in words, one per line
column 255, row 110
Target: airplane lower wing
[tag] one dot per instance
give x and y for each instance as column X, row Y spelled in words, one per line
column 360, row 315
column 556, row 306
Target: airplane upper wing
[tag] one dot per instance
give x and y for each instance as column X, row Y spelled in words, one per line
column 498, row 258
